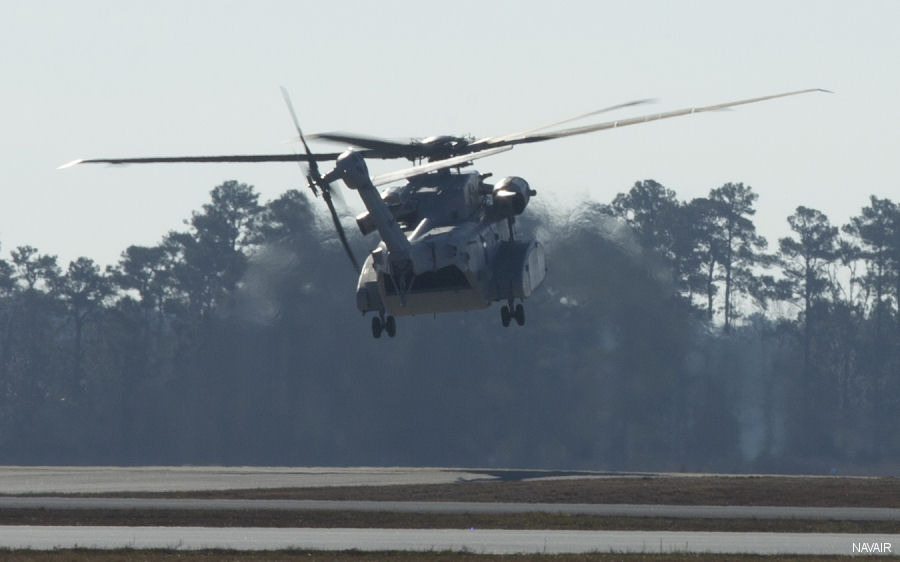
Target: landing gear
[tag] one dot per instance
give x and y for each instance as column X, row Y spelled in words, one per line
column 508, row 312
column 382, row 324
column 520, row 314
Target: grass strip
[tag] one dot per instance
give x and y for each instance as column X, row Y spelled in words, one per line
column 387, row 520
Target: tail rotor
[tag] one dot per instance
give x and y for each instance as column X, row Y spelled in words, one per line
column 318, row 184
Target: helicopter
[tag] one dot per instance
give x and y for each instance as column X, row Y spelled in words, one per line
column 448, row 240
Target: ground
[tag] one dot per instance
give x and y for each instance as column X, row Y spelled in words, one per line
column 680, row 490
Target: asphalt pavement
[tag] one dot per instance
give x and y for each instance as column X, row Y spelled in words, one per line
column 424, row 540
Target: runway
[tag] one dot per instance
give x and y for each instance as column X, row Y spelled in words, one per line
column 44, row 482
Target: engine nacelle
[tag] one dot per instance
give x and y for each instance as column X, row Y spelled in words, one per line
column 510, row 196
column 519, row 268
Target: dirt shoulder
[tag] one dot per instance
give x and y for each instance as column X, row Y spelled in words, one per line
column 700, row 490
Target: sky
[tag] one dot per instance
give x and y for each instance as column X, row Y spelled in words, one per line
column 122, row 78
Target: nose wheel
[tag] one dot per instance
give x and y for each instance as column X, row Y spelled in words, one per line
column 381, row 324
column 508, row 312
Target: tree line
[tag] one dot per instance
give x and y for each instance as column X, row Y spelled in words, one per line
column 842, row 282
column 668, row 335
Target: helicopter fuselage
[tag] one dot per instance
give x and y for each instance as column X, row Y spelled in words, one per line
column 458, row 251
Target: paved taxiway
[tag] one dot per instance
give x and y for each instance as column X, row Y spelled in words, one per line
column 479, row 541
column 103, row 479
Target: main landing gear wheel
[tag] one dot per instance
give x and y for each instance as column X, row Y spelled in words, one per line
column 520, row 314
column 388, row 325
column 508, row 312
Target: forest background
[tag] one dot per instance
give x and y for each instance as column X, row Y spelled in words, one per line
column 669, row 335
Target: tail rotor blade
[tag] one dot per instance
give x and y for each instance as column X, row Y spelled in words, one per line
column 290, row 106
column 326, row 195
column 313, row 165
column 315, row 180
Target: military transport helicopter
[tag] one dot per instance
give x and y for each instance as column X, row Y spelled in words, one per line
column 448, row 238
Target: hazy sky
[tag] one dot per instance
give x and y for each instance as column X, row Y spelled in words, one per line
column 118, row 78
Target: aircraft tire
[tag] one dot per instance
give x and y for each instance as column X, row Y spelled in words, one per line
column 504, row 315
column 520, row 315
column 390, row 326
column 376, row 327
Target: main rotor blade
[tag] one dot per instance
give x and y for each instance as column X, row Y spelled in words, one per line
column 436, row 165
column 643, row 119
column 207, row 159
column 491, row 140
column 382, row 148
column 412, row 150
